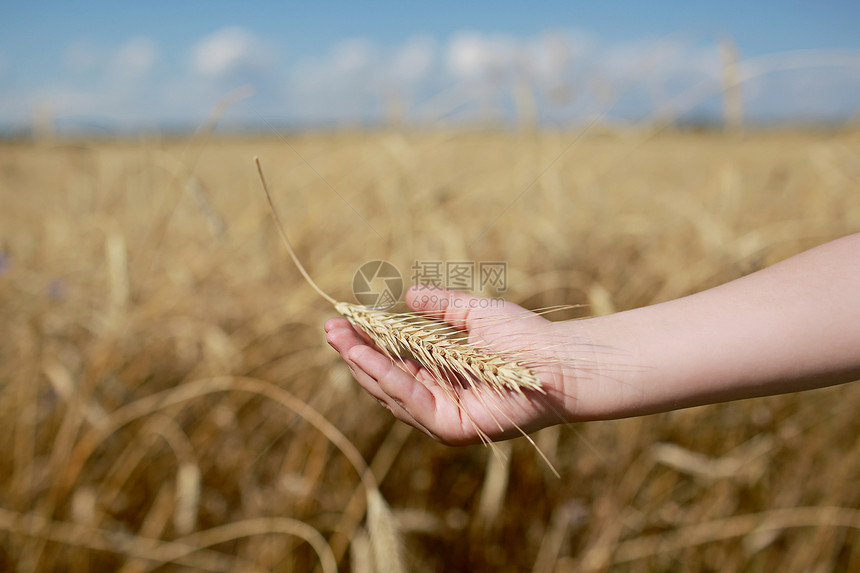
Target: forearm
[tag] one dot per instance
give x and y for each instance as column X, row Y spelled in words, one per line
column 790, row 327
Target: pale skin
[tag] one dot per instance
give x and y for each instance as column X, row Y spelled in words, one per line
column 790, row 327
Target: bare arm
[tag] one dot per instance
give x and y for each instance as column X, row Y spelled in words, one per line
column 790, row 327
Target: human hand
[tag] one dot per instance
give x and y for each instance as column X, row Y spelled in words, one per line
column 730, row 342
column 447, row 411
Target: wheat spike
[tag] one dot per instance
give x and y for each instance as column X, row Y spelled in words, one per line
column 433, row 345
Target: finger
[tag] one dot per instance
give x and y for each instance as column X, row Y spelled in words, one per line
column 401, row 386
column 342, row 336
column 344, row 339
column 368, row 382
column 334, row 324
column 368, row 363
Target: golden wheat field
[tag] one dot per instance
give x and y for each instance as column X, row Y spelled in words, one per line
column 169, row 402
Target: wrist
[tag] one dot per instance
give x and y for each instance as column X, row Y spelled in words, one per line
column 603, row 371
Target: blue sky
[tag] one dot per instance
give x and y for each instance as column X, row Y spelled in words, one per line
column 109, row 65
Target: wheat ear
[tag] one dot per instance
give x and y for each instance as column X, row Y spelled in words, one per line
column 435, row 344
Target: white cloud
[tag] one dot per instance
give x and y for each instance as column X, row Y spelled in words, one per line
column 229, row 51
column 134, row 60
column 414, row 61
column 103, row 87
column 475, row 56
column 572, row 75
column 353, row 56
column 552, row 56
column 358, row 79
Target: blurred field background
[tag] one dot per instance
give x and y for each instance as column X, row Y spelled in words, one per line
column 159, row 353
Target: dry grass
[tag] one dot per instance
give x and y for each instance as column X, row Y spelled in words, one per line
column 169, row 402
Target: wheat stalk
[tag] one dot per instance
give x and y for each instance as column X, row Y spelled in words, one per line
column 439, row 347
column 444, row 351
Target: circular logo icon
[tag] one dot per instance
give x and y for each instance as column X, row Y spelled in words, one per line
column 377, row 284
